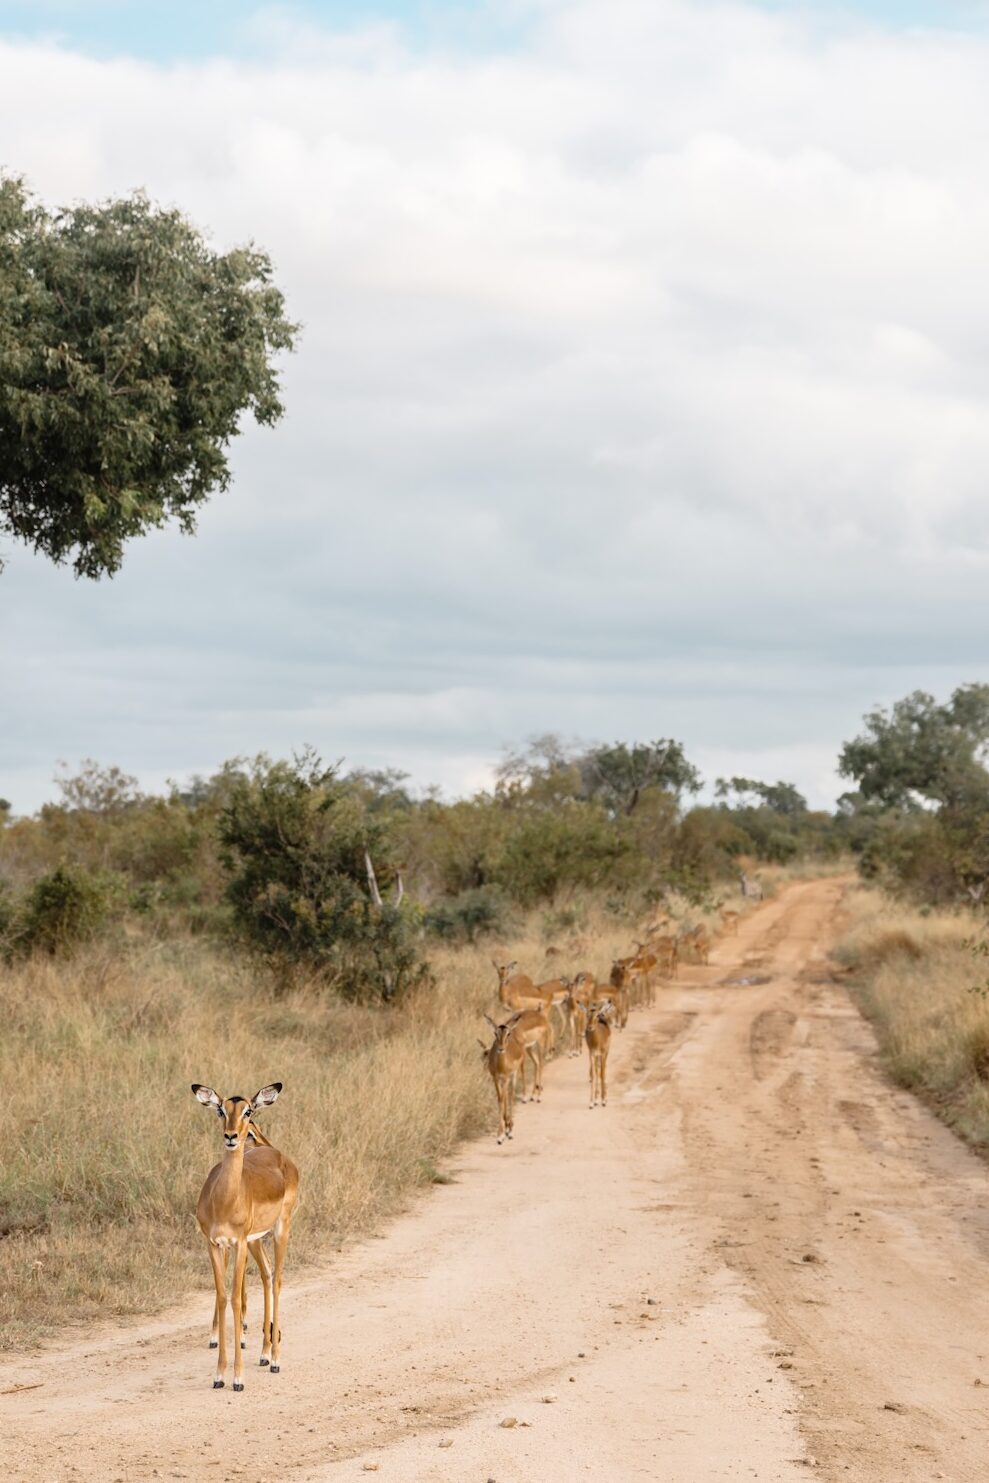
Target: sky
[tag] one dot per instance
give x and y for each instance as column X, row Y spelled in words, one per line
column 641, row 390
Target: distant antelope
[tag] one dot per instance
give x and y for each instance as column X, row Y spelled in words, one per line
column 575, row 1012
column 517, row 991
column 598, row 1038
column 504, row 1058
column 730, row 920
column 750, row 887
column 532, row 1029
column 698, row 940
column 667, row 950
column 617, row 994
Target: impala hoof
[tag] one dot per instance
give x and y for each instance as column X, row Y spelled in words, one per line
column 275, row 1369
column 217, row 1384
column 264, row 1361
column 214, row 1343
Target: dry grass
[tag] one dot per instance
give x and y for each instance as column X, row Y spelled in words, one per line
column 105, row 1148
column 916, row 980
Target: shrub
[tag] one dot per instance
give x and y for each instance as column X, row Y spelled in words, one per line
column 296, row 840
column 65, row 908
column 472, row 914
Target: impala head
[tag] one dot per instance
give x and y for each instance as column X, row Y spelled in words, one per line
column 503, row 970
column 236, row 1112
column 501, row 1032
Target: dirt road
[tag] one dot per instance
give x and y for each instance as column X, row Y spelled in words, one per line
column 758, row 1260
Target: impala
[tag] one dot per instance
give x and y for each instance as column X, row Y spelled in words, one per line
column 729, row 920
column 251, row 1191
column 575, row 1011
column 698, row 940
column 589, row 991
column 598, row 1038
column 504, row 1059
column 533, row 1031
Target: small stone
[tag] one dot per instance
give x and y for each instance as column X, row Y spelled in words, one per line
column 652, row 1302
column 548, row 1400
column 447, row 1442
column 896, row 1406
column 509, row 1421
column 370, row 1467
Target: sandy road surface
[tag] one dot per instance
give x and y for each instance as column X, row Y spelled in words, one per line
column 815, row 1246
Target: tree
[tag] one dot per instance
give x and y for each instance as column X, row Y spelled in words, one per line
column 128, row 351
column 618, row 775
column 779, row 798
column 297, row 842
column 919, row 752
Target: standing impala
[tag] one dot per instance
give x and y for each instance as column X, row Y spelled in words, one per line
column 251, row 1191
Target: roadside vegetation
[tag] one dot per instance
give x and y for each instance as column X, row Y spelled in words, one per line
column 920, row 977
column 232, row 932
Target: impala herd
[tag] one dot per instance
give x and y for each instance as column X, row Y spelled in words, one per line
column 252, row 1191
column 588, row 1009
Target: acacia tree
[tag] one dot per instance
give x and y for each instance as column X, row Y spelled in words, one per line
column 129, row 350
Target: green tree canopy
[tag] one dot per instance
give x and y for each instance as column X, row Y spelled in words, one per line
column 921, row 752
column 128, row 351
column 780, row 798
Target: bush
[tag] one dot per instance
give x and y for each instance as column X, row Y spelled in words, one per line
column 472, row 914
column 296, row 840
column 63, row 909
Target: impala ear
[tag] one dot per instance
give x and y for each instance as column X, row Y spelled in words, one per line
column 266, row 1095
column 206, row 1095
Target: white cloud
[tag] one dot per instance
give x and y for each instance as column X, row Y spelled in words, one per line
column 641, row 392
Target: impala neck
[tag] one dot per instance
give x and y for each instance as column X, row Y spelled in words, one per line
column 232, row 1166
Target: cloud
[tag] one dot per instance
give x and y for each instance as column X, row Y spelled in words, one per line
column 641, row 392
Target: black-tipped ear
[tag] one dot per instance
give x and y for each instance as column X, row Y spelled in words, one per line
column 206, row 1095
column 266, row 1095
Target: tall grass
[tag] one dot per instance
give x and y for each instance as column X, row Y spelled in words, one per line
column 918, row 982
column 105, row 1148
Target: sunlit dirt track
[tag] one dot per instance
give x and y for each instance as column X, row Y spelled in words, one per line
column 758, row 1259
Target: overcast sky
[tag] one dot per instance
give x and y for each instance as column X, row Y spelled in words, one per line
column 643, row 389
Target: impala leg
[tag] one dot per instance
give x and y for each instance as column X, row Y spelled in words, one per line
column 604, row 1081
column 522, row 1096
column 590, row 1063
column 501, row 1088
column 264, row 1267
column 243, row 1315
column 218, row 1262
column 281, row 1242
column 510, row 1103
column 240, row 1270
column 214, row 1333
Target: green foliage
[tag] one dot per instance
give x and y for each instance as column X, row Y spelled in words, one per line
column 482, row 912
column 919, row 819
column 64, row 909
column 619, row 775
column 295, row 840
column 129, row 351
column 920, row 752
column 547, row 851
